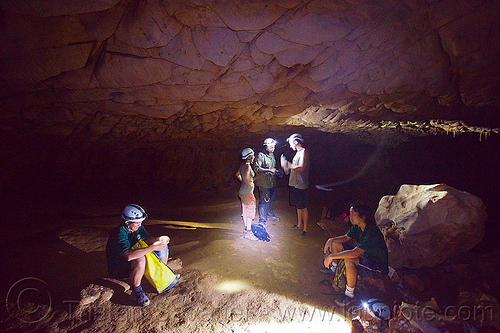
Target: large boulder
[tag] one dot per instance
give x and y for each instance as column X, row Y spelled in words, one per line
column 426, row 224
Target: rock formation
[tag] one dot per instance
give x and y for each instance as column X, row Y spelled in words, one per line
column 427, row 224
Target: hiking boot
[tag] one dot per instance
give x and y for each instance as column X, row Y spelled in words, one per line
column 273, row 218
column 250, row 236
column 303, row 234
column 295, row 227
column 139, row 298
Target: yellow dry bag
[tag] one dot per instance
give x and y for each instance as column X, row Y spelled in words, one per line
column 158, row 274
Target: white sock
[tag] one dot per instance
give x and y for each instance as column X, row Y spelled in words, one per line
column 349, row 291
column 333, row 266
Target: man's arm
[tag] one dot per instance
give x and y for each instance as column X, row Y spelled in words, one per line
column 259, row 165
column 163, row 239
column 339, row 239
column 138, row 253
column 347, row 254
column 302, row 163
column 264, row 170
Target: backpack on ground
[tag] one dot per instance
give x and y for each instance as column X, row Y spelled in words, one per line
column 260, row 232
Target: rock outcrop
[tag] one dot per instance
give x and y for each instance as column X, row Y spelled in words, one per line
column 426, row 224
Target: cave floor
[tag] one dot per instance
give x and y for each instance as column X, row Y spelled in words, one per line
column 67, row 253
column 227, row 283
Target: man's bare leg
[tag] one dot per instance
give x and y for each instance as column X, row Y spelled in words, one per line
column 351, row 272
column 138, row 266
column 304, row 213
column 299, row 218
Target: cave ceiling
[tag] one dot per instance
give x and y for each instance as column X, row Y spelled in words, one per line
column 153, row 71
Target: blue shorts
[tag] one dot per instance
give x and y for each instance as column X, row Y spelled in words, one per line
column 163, row 253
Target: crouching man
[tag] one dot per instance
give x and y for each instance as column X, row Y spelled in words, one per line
column 125, row 262
column 369, row 257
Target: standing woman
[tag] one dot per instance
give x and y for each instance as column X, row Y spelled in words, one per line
column 245, row 174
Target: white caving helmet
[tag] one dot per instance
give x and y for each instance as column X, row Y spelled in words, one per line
column 377, row 309
column 247, row 153
column 134, row 213
column 269, row 142
column 295, row 136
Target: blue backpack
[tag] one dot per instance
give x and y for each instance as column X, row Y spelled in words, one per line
column 260, row 232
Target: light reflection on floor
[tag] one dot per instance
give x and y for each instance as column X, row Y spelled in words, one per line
column 313, row 320
column 337, row 325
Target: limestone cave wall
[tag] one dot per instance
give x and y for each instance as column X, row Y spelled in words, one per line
column 216, row 70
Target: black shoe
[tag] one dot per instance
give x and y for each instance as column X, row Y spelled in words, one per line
column 295, row 227
column 326, row 271
column 303, row 234
column 344, row 300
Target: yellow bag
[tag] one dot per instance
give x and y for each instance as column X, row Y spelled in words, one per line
column 158, row 274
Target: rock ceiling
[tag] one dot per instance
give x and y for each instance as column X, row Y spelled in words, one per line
column 156, row 71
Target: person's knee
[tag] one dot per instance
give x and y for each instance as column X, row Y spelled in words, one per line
column 351, row 263
column 139, row 263
column 337, row 247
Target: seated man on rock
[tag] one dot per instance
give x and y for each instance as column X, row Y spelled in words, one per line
column 369, row 257
column 125, row 262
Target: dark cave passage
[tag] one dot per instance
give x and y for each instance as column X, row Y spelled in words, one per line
column 107, row 103
column 50, row 187
column 52, row 177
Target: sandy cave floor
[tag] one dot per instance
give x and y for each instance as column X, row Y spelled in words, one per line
column 227, row 284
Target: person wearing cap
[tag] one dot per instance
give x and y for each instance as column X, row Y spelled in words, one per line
column 368, row 258
column 298, row 180
column 125, row 262
column 245, row 175
column 265, row 167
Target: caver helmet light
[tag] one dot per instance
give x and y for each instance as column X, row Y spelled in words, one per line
column 247, row 153
column 295, row 136
column 134, row 213
column 377, row 309
column 269, row 142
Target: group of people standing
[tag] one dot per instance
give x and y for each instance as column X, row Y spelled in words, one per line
column 262, row 172
column 369, row 255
